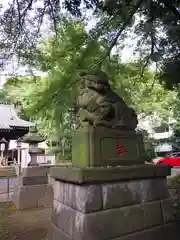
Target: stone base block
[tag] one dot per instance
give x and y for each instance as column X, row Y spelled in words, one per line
column 97, row 146
column 56, row 233
column 33, row 171
column 96, row 197
column 33, row 196
column 37, row 180
column 171, row 231
column 166, row 232
column 134, row 207
column 35, row 175
column 89, row 175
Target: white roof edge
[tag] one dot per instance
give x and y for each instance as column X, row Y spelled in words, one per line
column 9, row 117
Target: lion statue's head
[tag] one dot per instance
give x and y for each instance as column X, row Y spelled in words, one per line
column 97, row 80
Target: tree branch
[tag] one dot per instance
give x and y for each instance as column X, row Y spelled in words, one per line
column 126, row 22
column 170, row 6
column 53, row 17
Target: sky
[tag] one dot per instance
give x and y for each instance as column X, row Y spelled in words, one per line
column 126, row 54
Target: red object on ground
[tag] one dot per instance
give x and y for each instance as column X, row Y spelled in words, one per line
column 172, row 159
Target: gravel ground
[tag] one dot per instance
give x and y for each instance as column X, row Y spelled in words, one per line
column 25, row 225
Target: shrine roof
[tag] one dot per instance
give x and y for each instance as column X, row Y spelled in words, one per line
column 10, row 120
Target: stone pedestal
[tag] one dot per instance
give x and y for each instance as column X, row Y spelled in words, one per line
column 34, row 152
column 116, row 203
column 33, row 161
column 33, row 189
column 100, row 146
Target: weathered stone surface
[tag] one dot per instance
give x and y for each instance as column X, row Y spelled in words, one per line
column 36, row 180
column 136, row 209
column 117, row 222
column 88, row 198
column 82, row 198
column 94, row 142
column 133, row 192
column 32, row 196
column 102, row 150
column 150, row 234
column 169, row 213
column 56, row 233
column 58, row 188
column 47, row 199
column 171, row 231
column 64, row 217
column 108, row 174
column 34, row 171
column 153, row 189
column 164, row 232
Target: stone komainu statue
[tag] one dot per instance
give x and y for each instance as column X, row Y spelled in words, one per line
column 98, row 105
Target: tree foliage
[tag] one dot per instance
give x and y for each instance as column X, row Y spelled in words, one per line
column 155, row 24
column 49, row 99
column 3, row 95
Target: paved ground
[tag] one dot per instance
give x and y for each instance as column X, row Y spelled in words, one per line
column 24, row 225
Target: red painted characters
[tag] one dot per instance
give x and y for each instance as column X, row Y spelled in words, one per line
column 120, row 148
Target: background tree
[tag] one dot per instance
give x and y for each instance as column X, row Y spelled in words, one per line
column 155, row 25
column 3, row 95
column 49, row 99
column 149, row 144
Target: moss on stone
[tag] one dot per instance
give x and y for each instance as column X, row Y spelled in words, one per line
column 108, row 174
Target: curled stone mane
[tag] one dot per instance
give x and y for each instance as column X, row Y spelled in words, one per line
column 98, row 104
